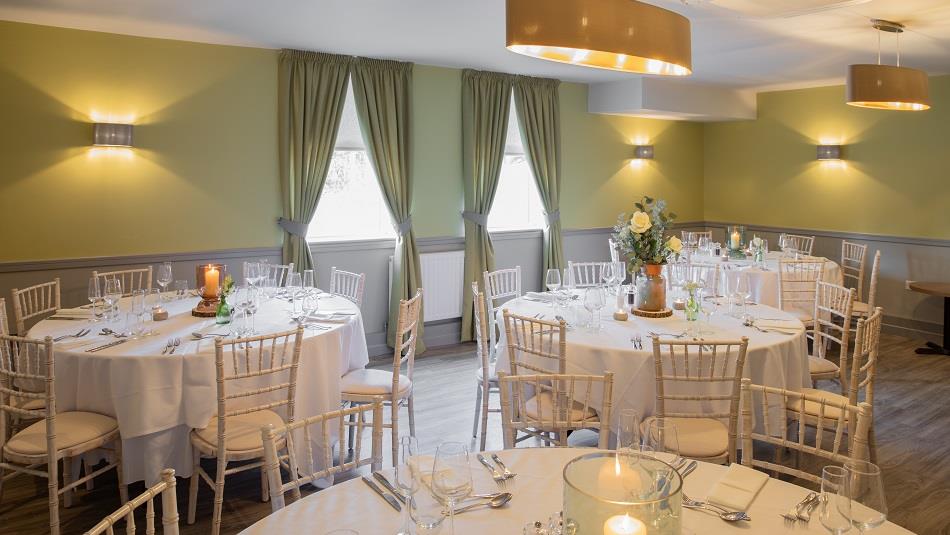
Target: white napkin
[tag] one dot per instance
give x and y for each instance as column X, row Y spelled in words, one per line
column 784, row 326
column 330, row 317
column 537, row 296
column 737, row 488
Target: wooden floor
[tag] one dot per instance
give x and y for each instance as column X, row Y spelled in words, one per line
column 912, row 417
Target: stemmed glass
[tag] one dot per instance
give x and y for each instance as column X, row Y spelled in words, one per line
column 607, row 274
column 294, row 287
column 663, row 438
column 112, row 294
column 743, row 291
column 628, row 431
column 452, row 475
column 835, row 511
column 95, row 296
column 252, row 273
column 865, row 489
column 594, row 300
column 164, row 276
column 552, row 280
column 407, row 477
column 250, row 309
column 703, row 244
column 239, row 306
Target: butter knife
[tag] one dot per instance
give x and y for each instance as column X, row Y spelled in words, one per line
column 389, row 499
column 106, row 346
column 389, row 486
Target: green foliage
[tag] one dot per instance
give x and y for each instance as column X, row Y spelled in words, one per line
column 650, row 246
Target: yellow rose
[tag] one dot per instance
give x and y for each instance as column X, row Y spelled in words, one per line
column 640, row 222
column 675, row 244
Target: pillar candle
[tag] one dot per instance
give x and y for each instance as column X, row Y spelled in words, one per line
column 734, row 240
column 211, row 281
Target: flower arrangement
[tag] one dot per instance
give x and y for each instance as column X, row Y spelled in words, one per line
column 223, row 313
column 640, row 237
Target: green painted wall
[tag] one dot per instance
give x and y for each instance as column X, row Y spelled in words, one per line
column 894, row 178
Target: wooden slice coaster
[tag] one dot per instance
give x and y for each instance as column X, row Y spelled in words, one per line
column 665, row 313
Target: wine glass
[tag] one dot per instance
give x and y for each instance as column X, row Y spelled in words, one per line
column 113, row 292
column 294, row 287
column 95, row 296
column 835, row 507
column 250, row 308
column 594, row 300
column 628, row 431
column 663, row 438
column 164, row 276
column 407, row 477
column 552, row 280
column 743, row 290
column 239, row 306
column 865, row 490
column 308, row 280
column 607, row 274
column 452, row 475
column 703, row 244
column 252, row 273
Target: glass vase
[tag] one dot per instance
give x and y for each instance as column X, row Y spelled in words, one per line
column 735, row 241
column 651, row 288
column 223, row 314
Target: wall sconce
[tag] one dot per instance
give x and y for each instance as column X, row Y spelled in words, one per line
column 112, row 135
column 829, row 152
column 643, row 152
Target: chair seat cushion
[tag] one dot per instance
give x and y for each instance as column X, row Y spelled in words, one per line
column 72, row 429
column 698, row 437
column 541, row 407
column 813, row 408
column 860, row 308
column 492, row 374
column 818, row 365
column 243, row 432
column 29, row 404
column 372, row 383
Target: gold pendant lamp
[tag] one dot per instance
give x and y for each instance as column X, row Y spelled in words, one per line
column 621, row 35
column 888, row 87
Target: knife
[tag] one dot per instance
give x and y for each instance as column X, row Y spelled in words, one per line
column 389, row 486
column 69, row 318
column 389, row 499
column 106, row 346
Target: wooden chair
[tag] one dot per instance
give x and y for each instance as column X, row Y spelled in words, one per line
column 301, row 473
column 703, row 375
column 39, row 300
column 585, row 274
column 244, row 406
column 166, row 487
column 347, row 284
column 57, row 436
column 852, row 267
column 486, row 381
column 500, row 286
column 363, row 386
column 132, row 279
column 549, row 406
column 800, row 244
column 796, row 287
column 535, row 345
column 832, row 325
column 848, row 423
column 864, row 308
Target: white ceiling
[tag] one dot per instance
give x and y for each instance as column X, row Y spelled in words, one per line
column 729, row 48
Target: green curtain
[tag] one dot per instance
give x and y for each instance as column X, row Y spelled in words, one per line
column 383, row 93
column 538, row 108
column 311, row 90
column 486, row 101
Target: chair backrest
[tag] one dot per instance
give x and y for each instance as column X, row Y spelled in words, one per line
column 481, row 335
column 278, row 272
column 837, row 417
column 27, row 373
column 852, row 266
column 535, row 345
column 716, row 365
column 499, row 284
column 572, row 406
column 797, row 280
column 407, row 329
column 875, row 272
column 685, row 235
column 867, row 343
column 271, row 359
column 132, row 279
column 706, row 274
column 585, row 274
column 801, row 244
column 34, row 301
column 832, row 317
column 165, row 487
column 614, row 250
column 348, row 284
column 4, row 326
column 350, row 456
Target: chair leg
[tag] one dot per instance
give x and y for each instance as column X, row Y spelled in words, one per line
column 478, row 408
column 872, row 444
column 67, row 479
column 193, row 485
column 52, row 486
column 485, row 419
column 218, row 494
column 412, row 415
column 265, row 495
column 120, row 473
column 90, row 484
column 394, row 432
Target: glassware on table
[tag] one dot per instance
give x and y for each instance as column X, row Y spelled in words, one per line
column 426, row 512
column 628, row 430
column 834, row 511
column 865, row 489
column 239, row 306
column 95, row 297
column 594, row 300
column 250, row 309
column 136, row 310
column 703, row 244
column 309, row 281
column 180, row 287
column 743, row 291
column 607, row 274
column 164, row 275
column 112, row 293
column 407, row 477
column 252, row 273
column 663, row 438
column 452, row 476
column 552, row 281
column 294, row 288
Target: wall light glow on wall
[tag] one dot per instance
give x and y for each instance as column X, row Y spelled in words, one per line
column 829, row 152
column 643, row 152
column 112, row 135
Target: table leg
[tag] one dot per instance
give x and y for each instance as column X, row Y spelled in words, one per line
column 934, row 349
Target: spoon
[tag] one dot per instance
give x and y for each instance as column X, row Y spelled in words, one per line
column 108, row 331
column 199, row 335
column 728, row 516
column 494, row 503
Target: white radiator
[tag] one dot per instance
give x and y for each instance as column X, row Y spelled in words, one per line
column 442, row 276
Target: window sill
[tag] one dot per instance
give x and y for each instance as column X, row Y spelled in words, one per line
column 351, row 245
column 502, row 235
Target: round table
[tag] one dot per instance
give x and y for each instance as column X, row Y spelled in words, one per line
column 773, row 359
column 764, row 280
column 538, row 492
column 157, row 399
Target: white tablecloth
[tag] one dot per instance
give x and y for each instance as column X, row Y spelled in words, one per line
column 538, row 492
column 773, row 359
column 157, row 399
column 764, row 280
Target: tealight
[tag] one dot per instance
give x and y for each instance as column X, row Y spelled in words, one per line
column 624, row 525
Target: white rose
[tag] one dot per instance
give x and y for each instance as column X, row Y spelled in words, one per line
column 675, row 244
column 756, row 242
column 640, row 222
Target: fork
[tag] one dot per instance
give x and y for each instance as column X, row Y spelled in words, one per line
column 680, row 335
column 501, row 464
column 175, row 345
column 791, row 516
column 79, row 334
column 495, row 474
column 168, row 345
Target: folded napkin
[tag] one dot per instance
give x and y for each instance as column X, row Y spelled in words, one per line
column 737, row 488
column 537, row 296
column 329, row 317
column 784, row 326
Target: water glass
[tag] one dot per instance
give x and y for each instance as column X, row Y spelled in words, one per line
column 835, row 507
column 136, row 310
column 95, row 297
column 552, row 280
column 426, row 513
column 594, row 300
column 252, row 273
column 452, row 476
column 112, row 294
column 663, row 438
column 407, row 477
column 164, row 275
column 628, row 431
column 865, row 488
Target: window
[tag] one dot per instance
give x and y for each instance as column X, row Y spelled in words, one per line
column 351, row 205
column 517, row 205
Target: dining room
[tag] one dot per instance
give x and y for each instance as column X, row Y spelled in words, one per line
column 546, row 268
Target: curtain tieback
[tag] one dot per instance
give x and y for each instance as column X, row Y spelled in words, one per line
column 404, row 227
column 552, row 217
column 475, row 217
column 293, row 227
